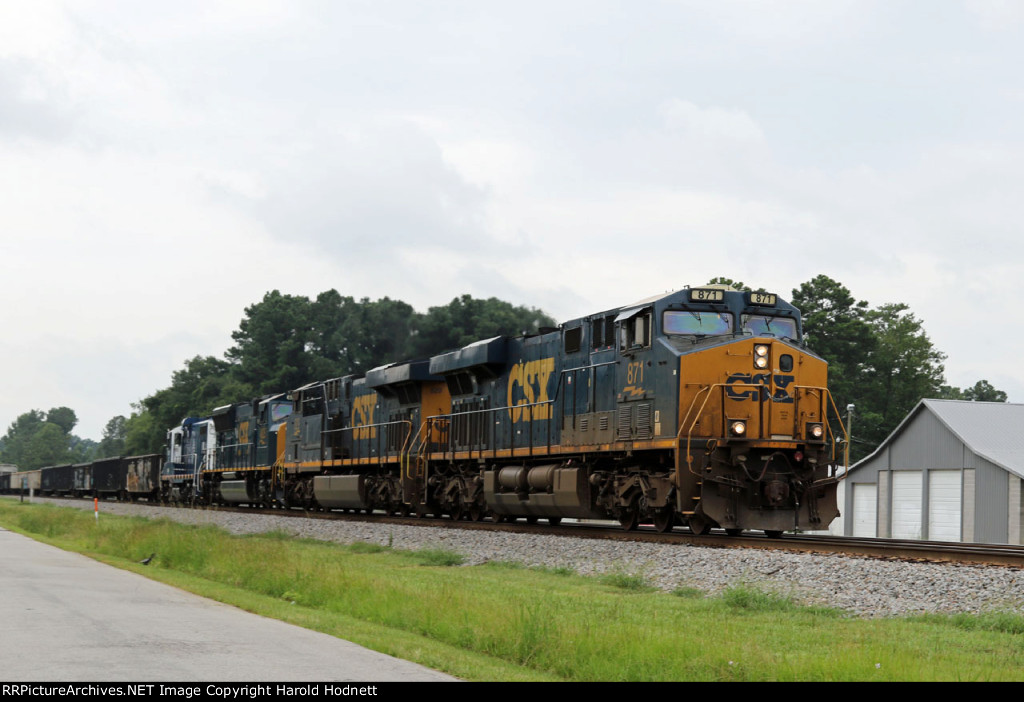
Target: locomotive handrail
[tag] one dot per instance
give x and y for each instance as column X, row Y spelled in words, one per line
column 689, row 434
column 449, row 417
column 248, row 458
column 377, row 439
column 828, row 425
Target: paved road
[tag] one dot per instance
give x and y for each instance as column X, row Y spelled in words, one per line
column 65, row 617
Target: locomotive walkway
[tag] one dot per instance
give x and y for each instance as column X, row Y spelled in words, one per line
column 65, row 617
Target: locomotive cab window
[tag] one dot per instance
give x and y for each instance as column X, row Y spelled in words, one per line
column 602, row 332
column 573, row 339
column 634, row 329
column 697, row 323
column 767, row 325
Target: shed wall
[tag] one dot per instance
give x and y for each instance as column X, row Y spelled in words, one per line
column 992, row 519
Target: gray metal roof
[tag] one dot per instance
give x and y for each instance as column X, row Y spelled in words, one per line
column 992, row 430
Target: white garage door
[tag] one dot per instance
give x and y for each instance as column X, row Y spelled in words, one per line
column 906, row 504
column 944, row 505
column 865, row 510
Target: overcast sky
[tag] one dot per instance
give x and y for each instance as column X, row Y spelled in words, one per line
column 163, row 165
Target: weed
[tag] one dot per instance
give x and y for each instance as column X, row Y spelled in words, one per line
column 509, row 565
column 625, row 580
column 1005, row 622
column 365, row 547
column 554, row 570
column 438, row 557
column 747, row 597
column 274, row 535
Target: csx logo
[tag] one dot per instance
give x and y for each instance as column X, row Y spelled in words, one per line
column 745, row 391
column 362, row 415
column 527, row 384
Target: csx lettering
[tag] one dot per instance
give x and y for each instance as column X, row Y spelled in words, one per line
column 362, row 415
column 528, row 384
column 751, row 385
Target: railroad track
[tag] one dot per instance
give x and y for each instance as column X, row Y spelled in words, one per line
column 1011, row 556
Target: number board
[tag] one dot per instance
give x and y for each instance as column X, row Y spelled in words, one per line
column 703, row 295
column 767, row 299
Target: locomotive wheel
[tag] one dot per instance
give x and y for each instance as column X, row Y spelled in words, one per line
column 629, row 519
column 532, row 520
column 733, row 531
column 456, row 511
column 554, row 521
column 664, row 519
column 773, row 533
column 476, row 513
column 699, row 525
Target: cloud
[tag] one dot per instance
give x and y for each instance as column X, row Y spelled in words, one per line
column 361, row 192
column 711, row 123
column 28, row 104
column 996, row 15
column 164, row 166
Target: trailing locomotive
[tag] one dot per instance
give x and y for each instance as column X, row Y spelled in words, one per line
column 226, row 457
column 698, row 407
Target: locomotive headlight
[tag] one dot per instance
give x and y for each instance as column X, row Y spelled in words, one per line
column 737, row 427
column 815, row 431
column 761, row 356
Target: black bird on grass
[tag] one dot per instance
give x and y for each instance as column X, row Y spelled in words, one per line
column 146, row 561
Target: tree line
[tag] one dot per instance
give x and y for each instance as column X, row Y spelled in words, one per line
column 880, row 360
column 39, row 438
column 282, row 342
column 285, row 341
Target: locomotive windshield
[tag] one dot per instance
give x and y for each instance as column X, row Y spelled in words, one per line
column 697, row 323
column 760, row 325
column 280, row 411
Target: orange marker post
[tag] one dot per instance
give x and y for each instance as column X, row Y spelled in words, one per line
column 96, row 507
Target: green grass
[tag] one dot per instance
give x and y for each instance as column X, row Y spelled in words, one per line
column 503, row 621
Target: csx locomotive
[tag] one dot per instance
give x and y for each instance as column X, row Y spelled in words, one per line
column 698, row 407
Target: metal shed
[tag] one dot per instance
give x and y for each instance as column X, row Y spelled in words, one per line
column 951, row 471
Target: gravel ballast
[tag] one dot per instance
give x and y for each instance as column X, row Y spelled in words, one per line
column 862, row 586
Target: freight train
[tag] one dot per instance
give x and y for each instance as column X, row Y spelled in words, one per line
column 699, row 407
